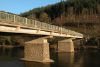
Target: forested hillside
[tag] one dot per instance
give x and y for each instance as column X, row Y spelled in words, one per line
column 78, row 15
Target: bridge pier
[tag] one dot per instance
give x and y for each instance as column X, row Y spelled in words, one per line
column 37, row 50
column 66, row 46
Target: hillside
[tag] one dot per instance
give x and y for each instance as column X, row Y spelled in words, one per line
column 79, row 15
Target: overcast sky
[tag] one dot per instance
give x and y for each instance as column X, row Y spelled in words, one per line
column 19, row 6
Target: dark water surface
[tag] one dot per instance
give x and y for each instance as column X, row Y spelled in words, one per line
column 10, row 57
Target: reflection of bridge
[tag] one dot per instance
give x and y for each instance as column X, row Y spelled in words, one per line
column 37, row 49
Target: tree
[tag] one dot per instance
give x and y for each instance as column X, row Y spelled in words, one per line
column 5, row 40
column 17, row 40
column 98, row 8
column 44, row 17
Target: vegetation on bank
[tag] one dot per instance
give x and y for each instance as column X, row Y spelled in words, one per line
column 11, row 40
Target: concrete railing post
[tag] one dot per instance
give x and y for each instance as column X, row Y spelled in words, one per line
column 26, row 21
column 14, row 18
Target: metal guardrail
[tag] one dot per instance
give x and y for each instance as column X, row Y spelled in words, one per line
column 22, row 21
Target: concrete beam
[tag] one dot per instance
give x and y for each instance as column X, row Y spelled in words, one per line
column 27, row 30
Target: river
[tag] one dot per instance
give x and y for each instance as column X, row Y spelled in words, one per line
column 10, row 57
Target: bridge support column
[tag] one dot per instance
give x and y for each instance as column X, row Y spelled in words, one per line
column 66, row 46
column 37, row 50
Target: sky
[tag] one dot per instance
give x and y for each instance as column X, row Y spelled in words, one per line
column 20, row 6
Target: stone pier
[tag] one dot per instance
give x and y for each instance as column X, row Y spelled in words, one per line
column 66, row 46
column 37, row 50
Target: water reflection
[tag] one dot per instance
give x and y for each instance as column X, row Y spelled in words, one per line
column 91, row 59
column 10, row 57
column 65, row 59
column 10, row 53
column 36, row 64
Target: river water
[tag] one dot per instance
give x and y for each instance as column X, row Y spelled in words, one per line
column 10, row 57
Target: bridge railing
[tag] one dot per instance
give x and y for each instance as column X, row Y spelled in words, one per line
column 22, row 21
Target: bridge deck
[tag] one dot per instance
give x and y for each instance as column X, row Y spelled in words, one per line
column 8, row 19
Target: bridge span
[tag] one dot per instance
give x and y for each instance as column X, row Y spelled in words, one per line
column 38, row 49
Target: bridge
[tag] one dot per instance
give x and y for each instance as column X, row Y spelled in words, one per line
column 38, row 49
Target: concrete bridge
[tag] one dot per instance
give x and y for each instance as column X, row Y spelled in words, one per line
column 38, row 49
